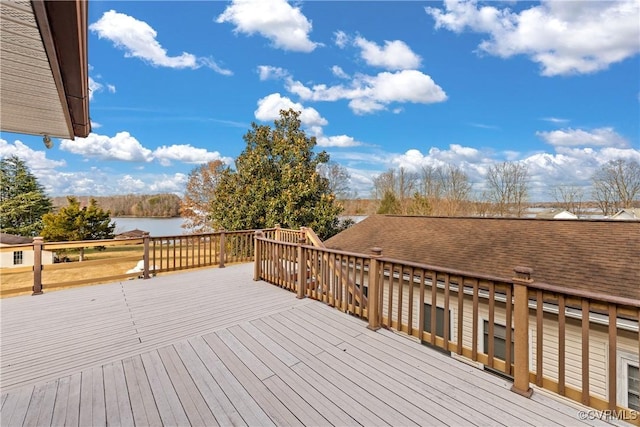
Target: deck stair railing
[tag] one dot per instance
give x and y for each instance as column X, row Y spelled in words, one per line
column 570, row 342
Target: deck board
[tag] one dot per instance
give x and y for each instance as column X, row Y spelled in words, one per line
column 212, row 347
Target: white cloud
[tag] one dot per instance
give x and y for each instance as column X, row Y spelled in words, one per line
column 269, row 109
column 394, row 55
column 339, row 72
column 175, row 183
column 211, row 63
column 368, row 94
column 97, row 87
column 36, row 160
column 341, row 39
column 564, row 37
column 130, row 185
column 555, row 120
column 138, row 40
column 122, row 146
column 268, row 72
column 185, row 153
column 277, row 20
column 337, row 141
column 94, row 87
column 601, row 137
column 95, row 125
column 567, row 166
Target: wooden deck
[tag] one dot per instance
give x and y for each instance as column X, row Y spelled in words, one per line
column 212, row 347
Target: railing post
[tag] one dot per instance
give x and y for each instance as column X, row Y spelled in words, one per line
column 145, row 257
column 278, row 233
column 374, row 290
column 521, row 279
column 257, row 257
column 302, row 269
column 37, row 266
column 222, row 246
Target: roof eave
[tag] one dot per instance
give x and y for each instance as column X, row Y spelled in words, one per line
column 63, row 27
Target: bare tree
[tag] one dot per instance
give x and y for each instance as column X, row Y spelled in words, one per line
column 196, row 204
column 507, row 185
column 399, row 183
column 616, row 185
column 430, row 182
column 338, row 178
column 455, row 189
column 569, row 198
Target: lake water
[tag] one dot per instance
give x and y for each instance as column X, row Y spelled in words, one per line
column 167, row 226
column 155, row 226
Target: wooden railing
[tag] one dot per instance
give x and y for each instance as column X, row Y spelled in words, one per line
column 156, row 254
column 559, row 336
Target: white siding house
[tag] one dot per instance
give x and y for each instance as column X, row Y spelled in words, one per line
column 22, row 255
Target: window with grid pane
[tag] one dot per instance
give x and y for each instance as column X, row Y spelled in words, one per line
column 633, row 388
column 17, row 258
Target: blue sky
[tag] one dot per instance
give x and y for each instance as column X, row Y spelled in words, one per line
column 382, row 85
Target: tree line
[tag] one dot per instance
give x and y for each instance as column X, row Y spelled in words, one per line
column 279, row 178
column 137, row 205
column 446, row 190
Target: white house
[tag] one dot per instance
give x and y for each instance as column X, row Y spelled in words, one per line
column 556, row 214
column 22, row 255
column 628, row 213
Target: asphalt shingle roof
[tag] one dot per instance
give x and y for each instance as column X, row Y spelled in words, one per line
column 12, row 239
column 593, row 255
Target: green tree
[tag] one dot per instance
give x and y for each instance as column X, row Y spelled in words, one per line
column 22, row 199
column 73, row 223
column 390, row 205
column 276, row 181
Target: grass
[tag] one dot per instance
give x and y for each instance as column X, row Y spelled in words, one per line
column 98, row 266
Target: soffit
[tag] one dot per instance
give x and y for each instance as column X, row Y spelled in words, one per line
column 33, row 99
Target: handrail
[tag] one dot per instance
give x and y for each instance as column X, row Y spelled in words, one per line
column 484, row 306
column 158, row 254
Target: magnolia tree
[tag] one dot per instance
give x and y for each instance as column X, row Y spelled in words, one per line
column 276, row 181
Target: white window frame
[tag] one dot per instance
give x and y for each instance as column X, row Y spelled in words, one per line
column 21, row 256
column 625, row 359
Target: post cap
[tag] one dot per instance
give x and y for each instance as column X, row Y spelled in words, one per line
column 522, row 274
column 376, row 251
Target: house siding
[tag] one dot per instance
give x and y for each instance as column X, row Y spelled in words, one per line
column 598, row 337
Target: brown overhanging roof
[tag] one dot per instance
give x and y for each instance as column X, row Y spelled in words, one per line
column 63, row 26
column 44, row 77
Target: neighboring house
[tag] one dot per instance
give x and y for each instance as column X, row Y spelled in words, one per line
column 556, row 214
column 598, row 256
column 131, row 234
column 627, row 214
column 21, row 256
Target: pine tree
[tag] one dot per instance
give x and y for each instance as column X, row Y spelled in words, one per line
column 73, row 223
column 23, row 201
